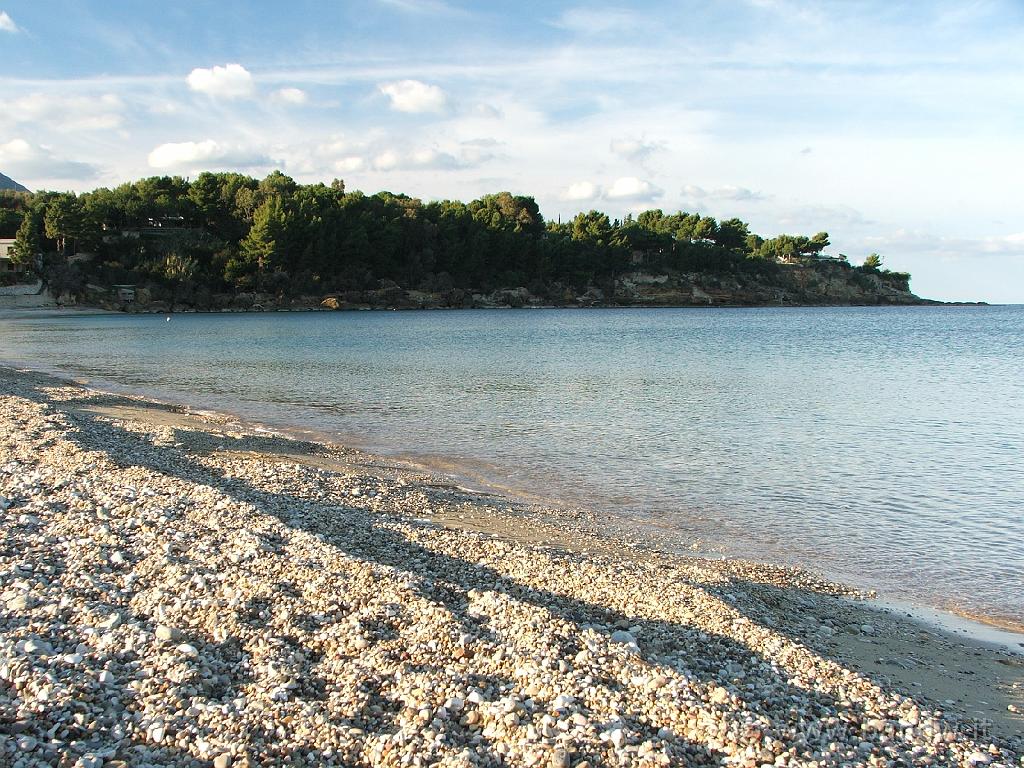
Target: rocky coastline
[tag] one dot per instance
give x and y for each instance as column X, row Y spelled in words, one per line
column 181, row 589
column 812, row 284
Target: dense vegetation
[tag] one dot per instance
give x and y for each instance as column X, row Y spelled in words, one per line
column 231, row 233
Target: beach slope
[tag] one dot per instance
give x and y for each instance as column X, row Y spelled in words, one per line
column 179, row 589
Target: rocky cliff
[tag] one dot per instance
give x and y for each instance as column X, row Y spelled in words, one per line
column 813, row 284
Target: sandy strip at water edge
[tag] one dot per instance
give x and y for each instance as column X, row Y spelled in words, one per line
column 179, row 589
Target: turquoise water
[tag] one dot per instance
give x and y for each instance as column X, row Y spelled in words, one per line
column 883, row 446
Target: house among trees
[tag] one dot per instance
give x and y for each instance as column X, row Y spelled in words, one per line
column 7, row 261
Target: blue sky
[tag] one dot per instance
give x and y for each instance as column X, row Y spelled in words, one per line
column 895, row 126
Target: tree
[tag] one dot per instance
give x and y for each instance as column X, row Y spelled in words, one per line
column 259, row 249
column 872, row 263
column 26, row 243
column 178, row 270
column 63, row 219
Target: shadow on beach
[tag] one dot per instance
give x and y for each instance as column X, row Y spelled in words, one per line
column 785, row 703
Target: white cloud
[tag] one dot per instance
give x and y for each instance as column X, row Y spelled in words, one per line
column 635, row 150
column 912, row 241
column 414, row 96
column 437, row 159
column 632, row 189
column 386, row 161
column 349, row 164
column 164, row 107
column 291, row 95
column 232, row 81
column 488, row 111
column 67, row 113
column 581, row 190
column 727, row 192
column 454, row 156
column 7, row 23
column 29, row 161
column 823, row 217
column 204, row 154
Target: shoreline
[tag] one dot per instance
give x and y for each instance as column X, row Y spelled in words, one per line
column 794, row 615
column 994, row 631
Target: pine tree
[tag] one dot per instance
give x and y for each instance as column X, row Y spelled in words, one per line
column 26, row 242
column 260, row 246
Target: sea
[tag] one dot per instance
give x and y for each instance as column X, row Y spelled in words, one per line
column 882, row 446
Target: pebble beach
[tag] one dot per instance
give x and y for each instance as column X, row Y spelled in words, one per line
column 180, row 589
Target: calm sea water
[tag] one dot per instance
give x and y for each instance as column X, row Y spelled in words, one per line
column 883, row 446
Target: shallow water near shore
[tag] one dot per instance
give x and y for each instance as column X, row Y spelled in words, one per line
column 881, row 446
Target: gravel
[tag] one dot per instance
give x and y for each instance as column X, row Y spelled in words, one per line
column 195, row 596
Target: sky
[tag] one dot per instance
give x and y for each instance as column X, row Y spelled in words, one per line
column 897, row 127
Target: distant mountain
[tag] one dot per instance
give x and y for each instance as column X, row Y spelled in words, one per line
column 6, row 182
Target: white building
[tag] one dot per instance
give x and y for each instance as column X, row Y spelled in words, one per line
column 7, row 254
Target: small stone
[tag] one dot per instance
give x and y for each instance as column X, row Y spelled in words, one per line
column 622, row 636
column 165, row 633
column 867, row 629
column 559, row 759
column 979, row 758
column 185, row 649
column 454, row 704
column 719, row 696
column 19, row 603
column 27, row 743
column 113, row 621
column 105, row 677
column 617, row 738
column 222, row 760
column 38, row 647
column 90, row 761
column 563, row 701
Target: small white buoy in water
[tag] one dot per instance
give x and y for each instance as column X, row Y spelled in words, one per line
column 168, row 318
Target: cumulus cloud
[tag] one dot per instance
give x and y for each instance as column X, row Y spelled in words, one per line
column 414, row 96
column 232, row 81
column 432, row 158
column 349, row 164
column 632, row 189
column 29, row 161
column 64, row 112
column 204, row 154
column 581, row 190
column 291, row 95
column 454, row 157
column 727, row 192
column 386, row 161
column 7, row 23
column 635, row 150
